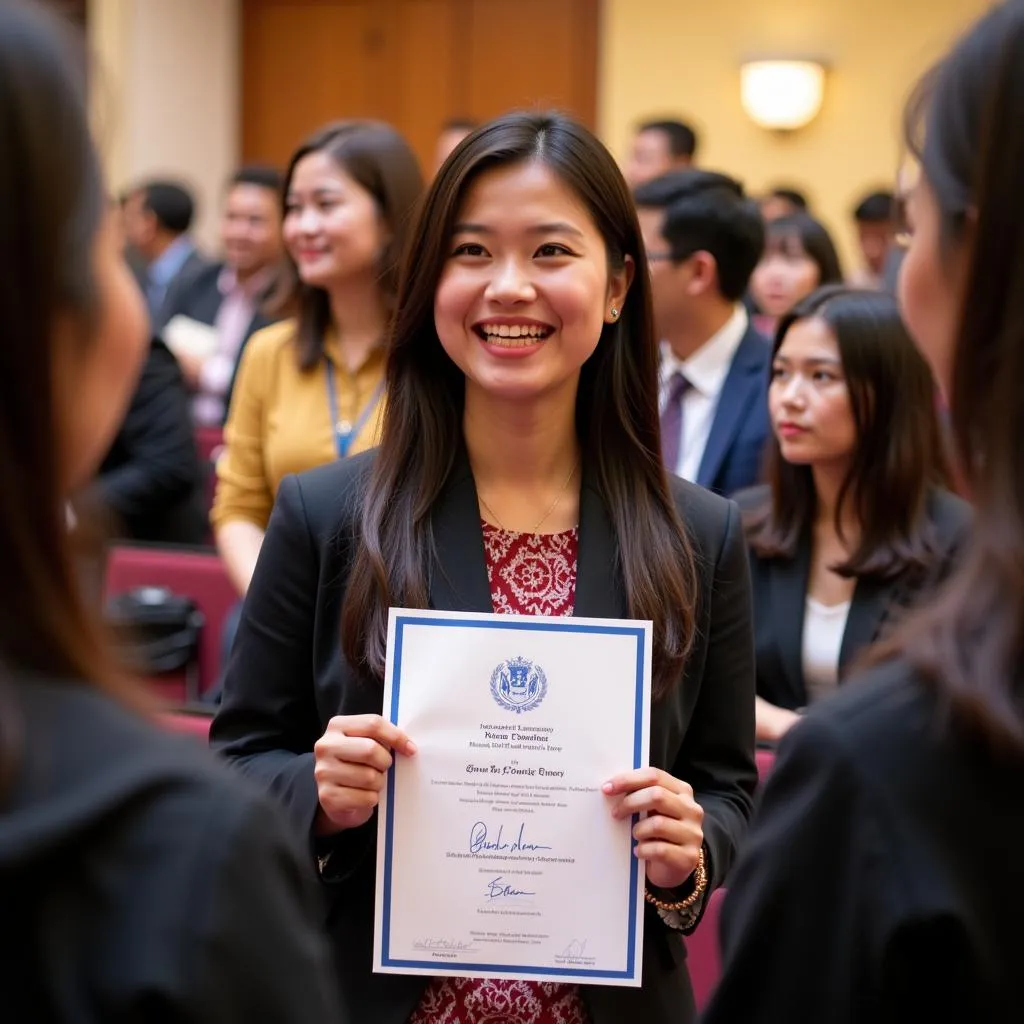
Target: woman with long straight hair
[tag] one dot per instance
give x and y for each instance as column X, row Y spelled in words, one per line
column 853, row 525
column 138, row 880
column 310, row 389
column 519, row 471
column 883, row 880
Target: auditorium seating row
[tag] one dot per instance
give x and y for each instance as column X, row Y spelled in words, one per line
column 189, row 572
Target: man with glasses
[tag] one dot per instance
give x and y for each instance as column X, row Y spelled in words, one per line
column 703, row 238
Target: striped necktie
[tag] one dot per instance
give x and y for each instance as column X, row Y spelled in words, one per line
column 672, row 420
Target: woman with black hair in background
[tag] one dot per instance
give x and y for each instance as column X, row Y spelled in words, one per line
column 854, row 523
column 138, row 881
column 799, row 256
column 883, row 880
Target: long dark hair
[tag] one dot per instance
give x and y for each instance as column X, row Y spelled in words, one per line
column 800, row 233
column 375, row 156
column 897, row 456
column 51, row 208
column 963, row 124
column 616, row 411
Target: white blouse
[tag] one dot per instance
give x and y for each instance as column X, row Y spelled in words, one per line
column 824, row 626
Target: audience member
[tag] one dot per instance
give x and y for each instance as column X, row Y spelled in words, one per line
column 232, row 296
column 799, row 256
column 874, row 216
column 883, row 880
column 530, row 223
column 135, row 260
column 311, row 389
column 452, row 133
column 783, row 202
column 157, row 217
column 139, row 880
column 659, row 147
column 853, row 525
column 149, row 486
column 703, row 238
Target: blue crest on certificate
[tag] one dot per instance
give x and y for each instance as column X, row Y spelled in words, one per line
column 497, row 854
column 518, row 685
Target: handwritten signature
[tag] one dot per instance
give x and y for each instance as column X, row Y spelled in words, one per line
column 576, row 949
column 496, row 889
column 479, row 842
column 455, row 945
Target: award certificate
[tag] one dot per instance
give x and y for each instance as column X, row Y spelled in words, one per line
column 497, row 854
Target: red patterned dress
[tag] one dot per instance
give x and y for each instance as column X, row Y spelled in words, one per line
column 529, row 574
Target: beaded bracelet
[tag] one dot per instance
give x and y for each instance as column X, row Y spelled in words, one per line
column 700, row 883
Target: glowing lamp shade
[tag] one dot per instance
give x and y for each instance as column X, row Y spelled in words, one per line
column 782, row 94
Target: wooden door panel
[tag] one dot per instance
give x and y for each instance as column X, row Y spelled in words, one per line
column 424, row 87
column 415, row 63
column 304, row 64
column 527, row 54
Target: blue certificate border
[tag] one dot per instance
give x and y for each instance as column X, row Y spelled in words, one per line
column 401, row 621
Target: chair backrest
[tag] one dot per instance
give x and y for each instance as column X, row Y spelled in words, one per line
column 196, row 574
column 192, row 725
column 209, row 441
column 702, row 952
column 765, row 762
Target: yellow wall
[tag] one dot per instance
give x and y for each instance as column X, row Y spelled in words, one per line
column 664, row 57
column 166, row 95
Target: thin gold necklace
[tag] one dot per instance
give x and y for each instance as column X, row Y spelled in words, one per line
column 543, row 519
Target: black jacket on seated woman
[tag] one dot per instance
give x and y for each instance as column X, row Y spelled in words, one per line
column 853, row 526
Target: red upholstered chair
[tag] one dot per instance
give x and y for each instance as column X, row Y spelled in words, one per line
column 702, row 953
column 209, row 441
column 195, row 574
column 197, row 725
column 765, row 762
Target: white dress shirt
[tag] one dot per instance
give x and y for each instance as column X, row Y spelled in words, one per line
column 238, row 306
column 706, row 371
column 824, row 629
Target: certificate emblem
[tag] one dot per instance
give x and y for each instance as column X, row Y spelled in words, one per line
column 518, row 685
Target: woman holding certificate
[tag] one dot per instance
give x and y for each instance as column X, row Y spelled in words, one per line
column 519, row 472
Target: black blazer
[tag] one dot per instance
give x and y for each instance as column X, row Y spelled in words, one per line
column 139, row 881
column 150, row 481
column 735, row 449
column 882, row 881
column 287, row 678
column 197, row 295
column 194, row 264
column 780, row 596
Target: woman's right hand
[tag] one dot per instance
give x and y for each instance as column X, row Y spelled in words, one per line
column 351, row 761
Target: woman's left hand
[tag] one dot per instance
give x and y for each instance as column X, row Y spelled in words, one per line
column 670, row 837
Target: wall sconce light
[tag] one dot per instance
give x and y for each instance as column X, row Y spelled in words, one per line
column 782, row 95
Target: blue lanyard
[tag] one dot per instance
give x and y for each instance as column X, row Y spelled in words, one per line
column 344, row 432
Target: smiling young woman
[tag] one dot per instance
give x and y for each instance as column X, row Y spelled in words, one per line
column 519, row 471
column 309, row 389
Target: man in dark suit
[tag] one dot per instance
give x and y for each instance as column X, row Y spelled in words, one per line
column 157, row 216
column 150, row 483
column 230, row 296
column 703, row 239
